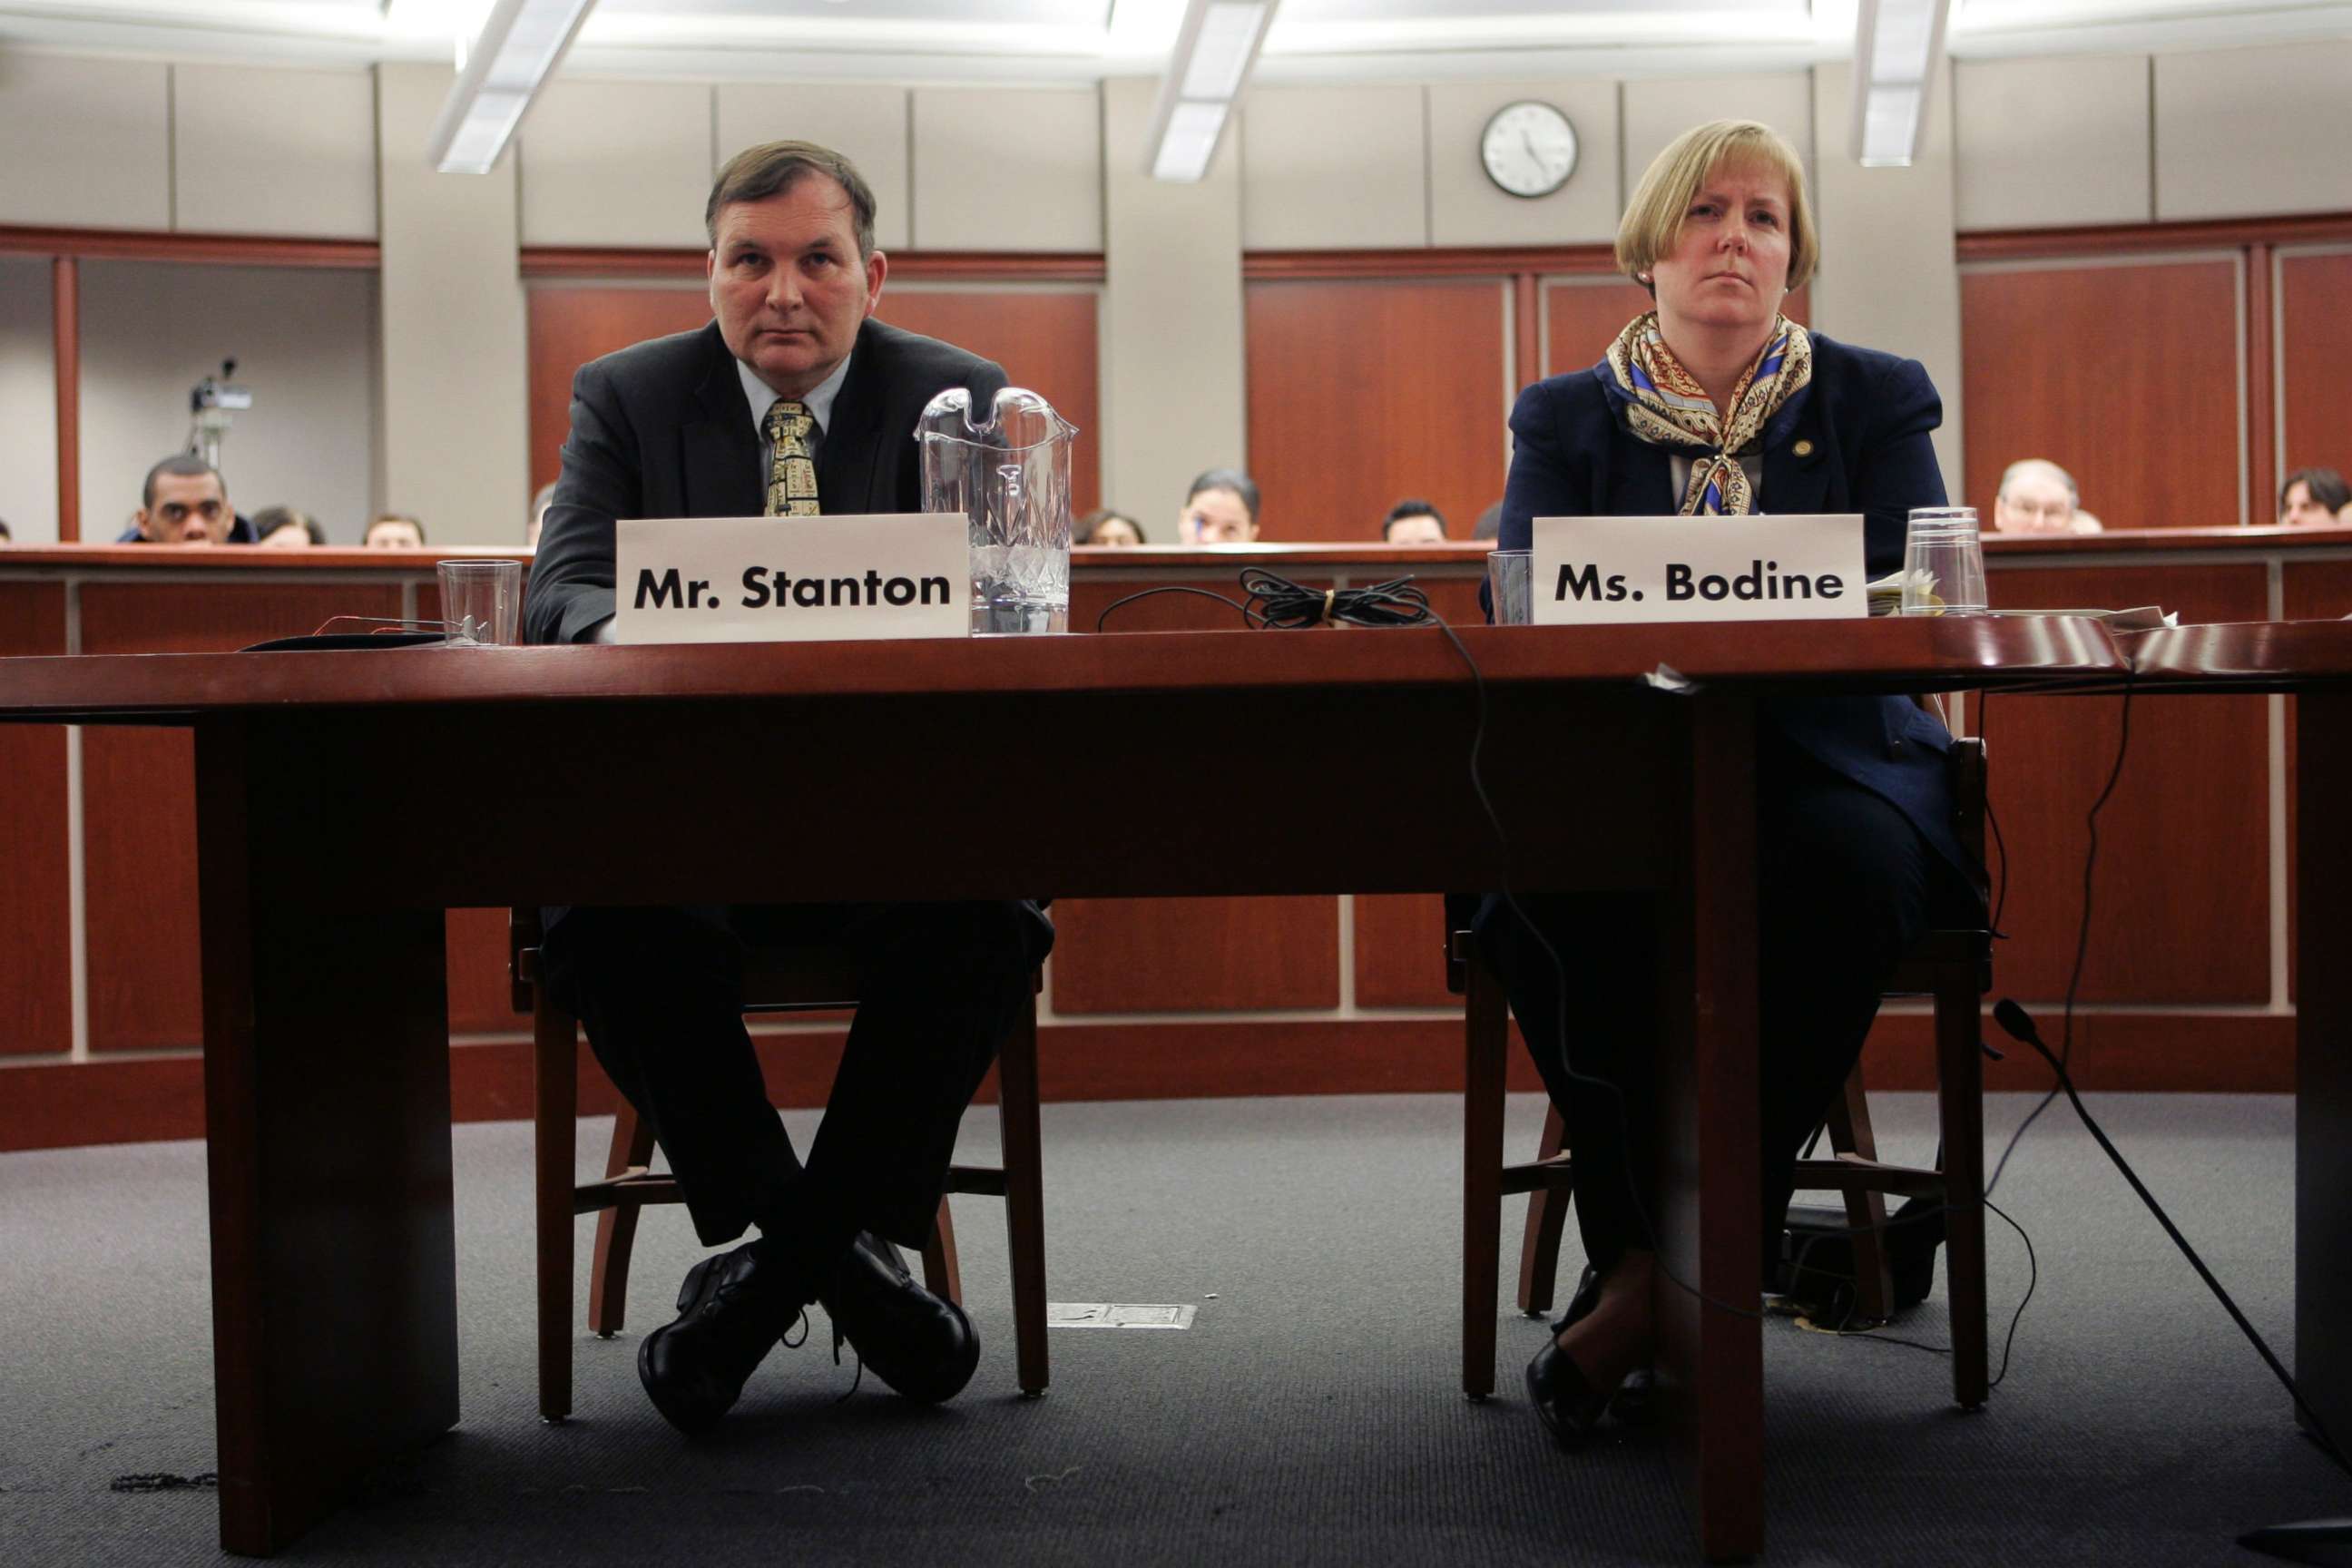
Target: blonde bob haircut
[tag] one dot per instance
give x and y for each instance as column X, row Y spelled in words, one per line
column 1654, row 218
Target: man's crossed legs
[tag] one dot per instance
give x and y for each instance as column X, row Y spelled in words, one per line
column 661, row 994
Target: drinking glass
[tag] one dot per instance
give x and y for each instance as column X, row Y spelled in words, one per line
column 1943, row 563
column 482, row 603
column 1509, row 584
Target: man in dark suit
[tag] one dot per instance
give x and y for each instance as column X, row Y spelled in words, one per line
column 794, row 402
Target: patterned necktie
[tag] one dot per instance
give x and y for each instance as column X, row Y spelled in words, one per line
column 791, row 475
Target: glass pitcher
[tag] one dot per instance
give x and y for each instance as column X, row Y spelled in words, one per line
column 1008, row 473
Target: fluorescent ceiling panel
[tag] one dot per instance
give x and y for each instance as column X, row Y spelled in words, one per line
column 1212, row 59
column 518, row 49
column 1898, row 45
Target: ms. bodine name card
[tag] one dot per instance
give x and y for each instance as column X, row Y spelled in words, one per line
column 1595, row 571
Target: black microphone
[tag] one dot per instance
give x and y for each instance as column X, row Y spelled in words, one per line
column 2016, row 1021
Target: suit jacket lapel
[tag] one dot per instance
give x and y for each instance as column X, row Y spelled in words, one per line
column 719, row 449
column 845, row 461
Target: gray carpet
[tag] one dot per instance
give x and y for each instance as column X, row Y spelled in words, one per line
column 1311, row 1415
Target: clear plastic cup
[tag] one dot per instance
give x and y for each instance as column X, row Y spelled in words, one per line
column 482, row 603
column 1509, row 582
column 1943, row 563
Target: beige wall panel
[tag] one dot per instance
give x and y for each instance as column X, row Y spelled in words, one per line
column 1007, row 169
column 455, row 405
column 28, row 402
column 1465, row 207
column 616, row 163
column 2247, row 133
column 1174, row 399
column 104, row 134
column 1329, row 168
column 2052, row 141
column 1889, row 279
column 257, row 151
column 866, row 124
column 1657, row 110
column 303, row 341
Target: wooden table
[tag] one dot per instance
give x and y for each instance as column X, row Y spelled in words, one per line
column 346, row 799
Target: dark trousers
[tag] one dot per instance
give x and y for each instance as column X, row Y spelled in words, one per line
column 1847, row 885
column 660, row 991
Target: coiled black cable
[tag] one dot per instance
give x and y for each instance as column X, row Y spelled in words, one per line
column 1277, row 604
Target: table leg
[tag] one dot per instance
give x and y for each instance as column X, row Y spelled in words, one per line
column 327, row 1128
column 1711, row 1356
column 2322, row 1122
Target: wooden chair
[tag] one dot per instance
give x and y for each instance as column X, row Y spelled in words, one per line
column 802, row 980
column 1954, row 967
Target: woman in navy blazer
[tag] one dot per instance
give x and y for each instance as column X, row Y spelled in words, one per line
column 1716, row 402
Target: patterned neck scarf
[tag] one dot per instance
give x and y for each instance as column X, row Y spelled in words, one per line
column 1669, row 408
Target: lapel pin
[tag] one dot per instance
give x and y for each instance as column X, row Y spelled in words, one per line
column 1804, row 448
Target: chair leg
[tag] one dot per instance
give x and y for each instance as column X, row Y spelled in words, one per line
column 1866, row 1212
column 616, row 1228
column 1959, row 1077
column 1487, row 1045
column 1024, row 1197
column 942, row 1277
column 1547, row 1220
column 555, row 1128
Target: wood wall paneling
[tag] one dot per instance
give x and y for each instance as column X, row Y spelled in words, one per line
column 481, row 1000
column 65, row 306
column 138, row 835
column 1363, row 393
column 1184, row 956
column 2315, row 304
column 2182, row 888
column 1150, row 955
column 36, row 888
column 1400, row 951
column 570, row 326
column 1582, row 319
column 2055, row 363
column 1046, row 342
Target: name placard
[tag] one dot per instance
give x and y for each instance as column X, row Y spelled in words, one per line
column 1600, row 571
column 792, row 579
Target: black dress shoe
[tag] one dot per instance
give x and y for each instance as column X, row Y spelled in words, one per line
column 1633, row 1403
column 921, row 1345
column 731, row 1309
column 1568, row 1406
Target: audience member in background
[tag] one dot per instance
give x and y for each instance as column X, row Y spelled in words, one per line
column 538, row 505
column 394, row 530
column 2037, row 495
column 2312, row 497
column 186, row 501
column 1413, row 522
column 283, row 528
column 1220, row 509
column 1103, row 526
column 1489, row 526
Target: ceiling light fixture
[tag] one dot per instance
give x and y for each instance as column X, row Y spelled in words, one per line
column 1214, row 49
column 515, row 53
column 1898, row 48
